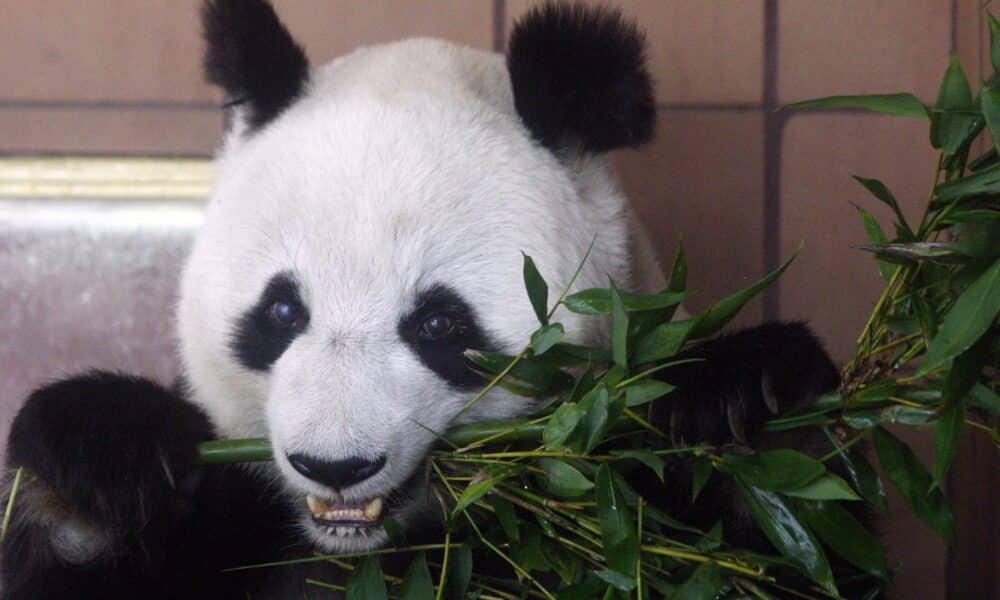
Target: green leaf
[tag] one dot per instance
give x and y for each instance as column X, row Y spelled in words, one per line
column 948, row 130
column 711, row 540
column 914, row 251
column 531, row 376
column 788, row 535
column 646, row 390
column 994, row 40
column 597, row 301
column 780, row 470
column 563, row 479
column 722, row 311
column 474, row 491
column 621, row 544
column 913, row 481
column 507, row 516
column 842, row 533
column 880, row 191
column 538, row 290
column 560, row 425
column 986, row 181
column 663, row 341
column 367, row 582
column 528, row 553
column 902, row 105
column 706, row 583
column 827, row 487
column 700, row 473
column 978, row 240
column 989, row 100
column 459, row 572
column 864, row 478
column 965, row 372
column 595, row 418
column 646, row 457
column 546, row 337
column 966, row 321
column 417, row 583
column 619, row 329
column 876, row 235
column 617, row 580
column 677, row 282
column 983, row 398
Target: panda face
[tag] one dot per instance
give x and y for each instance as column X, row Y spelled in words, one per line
column 365, row 229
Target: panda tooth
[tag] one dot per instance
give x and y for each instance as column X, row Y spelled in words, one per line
column 316, row 506
column 373, row 509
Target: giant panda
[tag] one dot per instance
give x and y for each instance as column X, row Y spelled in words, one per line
column 365, row 229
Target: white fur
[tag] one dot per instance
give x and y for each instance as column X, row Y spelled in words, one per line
column 404, row 165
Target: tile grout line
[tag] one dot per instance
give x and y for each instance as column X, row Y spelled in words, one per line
column 774, row 125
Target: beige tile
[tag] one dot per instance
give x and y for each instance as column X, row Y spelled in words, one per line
column 831, row 284
column 702, row 179
column 151, row 50
column 859, row 46
column 700, row 52
column 120, row 131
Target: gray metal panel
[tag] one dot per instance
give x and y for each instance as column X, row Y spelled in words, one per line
column 88, row 284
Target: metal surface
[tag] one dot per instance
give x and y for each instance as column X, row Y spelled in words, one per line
column 88, row 283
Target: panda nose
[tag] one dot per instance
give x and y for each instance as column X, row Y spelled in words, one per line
column 337, row 474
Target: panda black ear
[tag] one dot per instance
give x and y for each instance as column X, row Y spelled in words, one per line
column 580, row 79
column 251, row 56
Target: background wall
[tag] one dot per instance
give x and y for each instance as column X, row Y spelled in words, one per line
column 743, row 182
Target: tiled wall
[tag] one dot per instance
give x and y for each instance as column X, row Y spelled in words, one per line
column 743, row 183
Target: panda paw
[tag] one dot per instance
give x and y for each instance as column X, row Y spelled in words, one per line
column 104, row 456
column 742, row 380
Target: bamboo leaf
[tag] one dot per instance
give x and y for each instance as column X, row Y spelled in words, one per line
column 948, row 130
column 507, row 516
column 700, row 472
column 864, row 478
column 646, row 390
column 563, row 479
column 561, row 424
column 474, row 491
column 915, row 251
column 880, row 191
column 965, row 372
column 619, row 329
column 546, row 337
column 902, row 105
column 621, row 545
column 722, row 311
column 707, row 582
column 989, row 100
column 597, row 301
column 646, row 457
column 826, row 487
column 367, row 581
column 459, row 572
column 663, row 341
column 842, row 533
column 986, row 181
column 780, row 470
column 966, row 321
column 617, row 580
column 878, row 238
column 538, row 290
column 994, row 40
column 984, row 398
column 417, row 583
column 913, row 481
column 788, row 535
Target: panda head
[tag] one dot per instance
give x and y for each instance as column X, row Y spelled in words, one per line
column 366, row 228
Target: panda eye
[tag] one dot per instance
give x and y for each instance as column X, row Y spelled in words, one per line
column 286, row 315
column 437, row 327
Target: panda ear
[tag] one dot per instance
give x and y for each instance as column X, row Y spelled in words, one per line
column 253, row 58
column 580, row 79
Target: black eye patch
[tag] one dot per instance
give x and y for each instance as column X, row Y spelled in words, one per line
column 265, row 330
column 443, row 354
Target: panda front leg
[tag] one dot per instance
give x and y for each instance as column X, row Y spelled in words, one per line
column 110, row 502
column 741, row 380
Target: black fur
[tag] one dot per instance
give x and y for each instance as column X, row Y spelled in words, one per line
column 580, row 78
column 744, row 379
column 253, row 58
column 445, row 357
column 97, row 450
column 258, row 340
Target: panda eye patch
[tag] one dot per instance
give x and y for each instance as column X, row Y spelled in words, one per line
column 267, row 328
column 437, row 327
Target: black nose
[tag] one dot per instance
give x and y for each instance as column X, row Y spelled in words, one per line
column 337, row 474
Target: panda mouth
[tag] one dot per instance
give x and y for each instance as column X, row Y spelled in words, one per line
column 346, row 518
